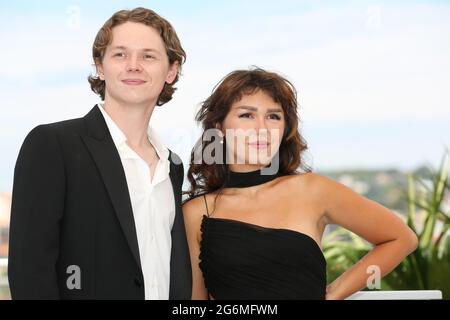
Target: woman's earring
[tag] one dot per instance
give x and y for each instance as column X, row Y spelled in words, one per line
column 221, row 141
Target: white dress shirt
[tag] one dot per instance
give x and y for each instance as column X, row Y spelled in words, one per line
column 153, row 205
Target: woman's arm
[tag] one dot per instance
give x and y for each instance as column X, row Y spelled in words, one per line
column 192, row 212
column 392, row 238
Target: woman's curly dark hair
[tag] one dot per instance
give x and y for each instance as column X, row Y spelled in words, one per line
column 205, row 178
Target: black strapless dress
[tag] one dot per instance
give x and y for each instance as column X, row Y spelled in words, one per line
column 240, row 260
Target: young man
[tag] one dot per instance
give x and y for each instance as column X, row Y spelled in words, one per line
column 96, row 209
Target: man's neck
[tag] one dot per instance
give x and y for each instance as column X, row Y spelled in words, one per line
column 133, row 120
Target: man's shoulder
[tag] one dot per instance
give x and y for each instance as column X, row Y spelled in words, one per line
column 62, row 126
column 50, row 131
column 70, row 126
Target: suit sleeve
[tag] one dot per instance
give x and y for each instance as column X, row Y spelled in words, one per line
column 36, row 213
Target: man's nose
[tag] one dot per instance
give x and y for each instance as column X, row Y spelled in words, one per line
column 134, row 63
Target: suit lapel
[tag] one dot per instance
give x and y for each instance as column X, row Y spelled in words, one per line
column 176, row 183
column 174, row 265
column 180, row 267
column 105, row 155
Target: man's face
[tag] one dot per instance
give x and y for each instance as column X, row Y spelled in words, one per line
column 135, row 65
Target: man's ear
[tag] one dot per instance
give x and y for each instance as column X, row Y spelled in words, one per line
column 173, row 72
column 99, row 67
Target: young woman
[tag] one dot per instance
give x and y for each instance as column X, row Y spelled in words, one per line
column 256, row 213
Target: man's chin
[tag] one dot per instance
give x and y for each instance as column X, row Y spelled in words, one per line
column 132, row 100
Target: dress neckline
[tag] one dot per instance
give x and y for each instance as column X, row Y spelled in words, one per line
column 253, row 226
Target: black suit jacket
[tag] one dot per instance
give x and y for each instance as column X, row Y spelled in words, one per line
column 71, row 207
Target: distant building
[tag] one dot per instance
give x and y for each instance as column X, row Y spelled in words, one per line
column 348, row 180
column 5, row 212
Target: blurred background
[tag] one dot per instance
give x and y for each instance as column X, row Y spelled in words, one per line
column 373, row 79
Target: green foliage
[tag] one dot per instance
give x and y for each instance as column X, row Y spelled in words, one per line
column 428, row 267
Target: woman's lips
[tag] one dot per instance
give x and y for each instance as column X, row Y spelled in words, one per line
column 259, row 145
column 133, row 82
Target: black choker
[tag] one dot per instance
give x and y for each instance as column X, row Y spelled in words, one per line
column 250, row 179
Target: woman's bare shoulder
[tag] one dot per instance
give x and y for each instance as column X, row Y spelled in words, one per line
column 313, row 182
column 196, row 207
column 301, row 179
column 193, row 205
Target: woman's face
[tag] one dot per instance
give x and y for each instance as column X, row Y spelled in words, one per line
column 253, row 129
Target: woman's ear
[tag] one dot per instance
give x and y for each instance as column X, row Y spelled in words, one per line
column 219, row 128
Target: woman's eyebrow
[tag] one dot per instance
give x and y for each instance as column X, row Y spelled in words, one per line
column 250, row 108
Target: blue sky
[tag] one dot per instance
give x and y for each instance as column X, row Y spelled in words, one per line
column 373, row 76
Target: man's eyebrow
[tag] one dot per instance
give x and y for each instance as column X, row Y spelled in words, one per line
column 250, row 108
column 144, row 49
column 118, row 47
column 150, row 49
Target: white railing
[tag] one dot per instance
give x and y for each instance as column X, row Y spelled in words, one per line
column 397, row 295
column 3, row 262
column 3, row 265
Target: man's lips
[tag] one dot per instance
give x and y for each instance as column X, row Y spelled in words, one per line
column 133, row 82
